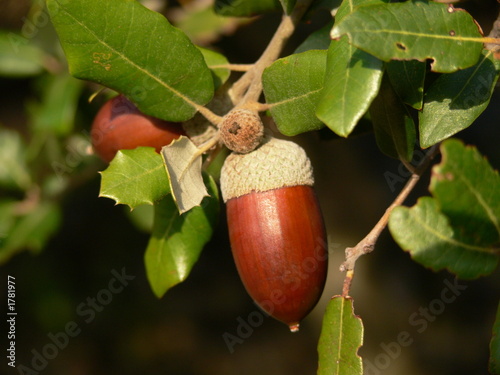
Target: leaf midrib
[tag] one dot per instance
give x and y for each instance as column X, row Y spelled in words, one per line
column 449, row 240
column 417, row 34
column 127, row 60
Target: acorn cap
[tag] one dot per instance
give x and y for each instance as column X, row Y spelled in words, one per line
column 275, row 164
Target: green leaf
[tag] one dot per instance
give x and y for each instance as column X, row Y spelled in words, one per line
column 468, row 192
column 341, row 337
column 352, row 81
column 13, row 168
column 135, row 51
column 177, row 240
column 415, row 30
column 458, row 229
column 135, row 177
column 394, row 128
column 292, row 87
column 455, row 100
column 56, row 112
column 27, row 231
column 426, row 233
column 348, row 6
column 494, row 364
column 407, row 79
column 18, row 57
column 320, row 39
column 213, row 60
column 245, row 8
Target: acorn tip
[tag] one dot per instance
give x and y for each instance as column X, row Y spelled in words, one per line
column 294, row 327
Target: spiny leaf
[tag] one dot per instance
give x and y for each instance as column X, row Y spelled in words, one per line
column 415, row 30
column 341, row 337
column 135, row 51
column 177, row 240
column 135, row 177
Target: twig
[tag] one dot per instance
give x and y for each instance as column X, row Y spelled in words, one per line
column 494, row 33
column 249, row 86
column 209, row 115
column 233, row 67
column 367, row 244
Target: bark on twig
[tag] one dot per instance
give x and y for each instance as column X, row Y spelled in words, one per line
column 367, row 244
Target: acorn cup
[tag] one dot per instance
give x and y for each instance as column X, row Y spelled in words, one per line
column 276, row 228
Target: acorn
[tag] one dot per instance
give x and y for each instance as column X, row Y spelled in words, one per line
column 276, row 228
column 120, row 125
column 241, row 130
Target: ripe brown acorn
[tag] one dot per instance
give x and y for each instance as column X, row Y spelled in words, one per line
column 276, row 228
column 120, row 125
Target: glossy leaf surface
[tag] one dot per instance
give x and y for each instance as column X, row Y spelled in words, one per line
column 177, row 240
column 341, row 337
column 135, row 177
column 415, row 30
column 125, row 46
column 214, row 60
column 352, row 80
column 468, row 191
column 459, row 228
column 455, row 100
column 292, row 86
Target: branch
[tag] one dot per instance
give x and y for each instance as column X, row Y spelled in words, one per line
column 367, row 244
column 233, row 67
column 494, row 33
column 249, row 87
